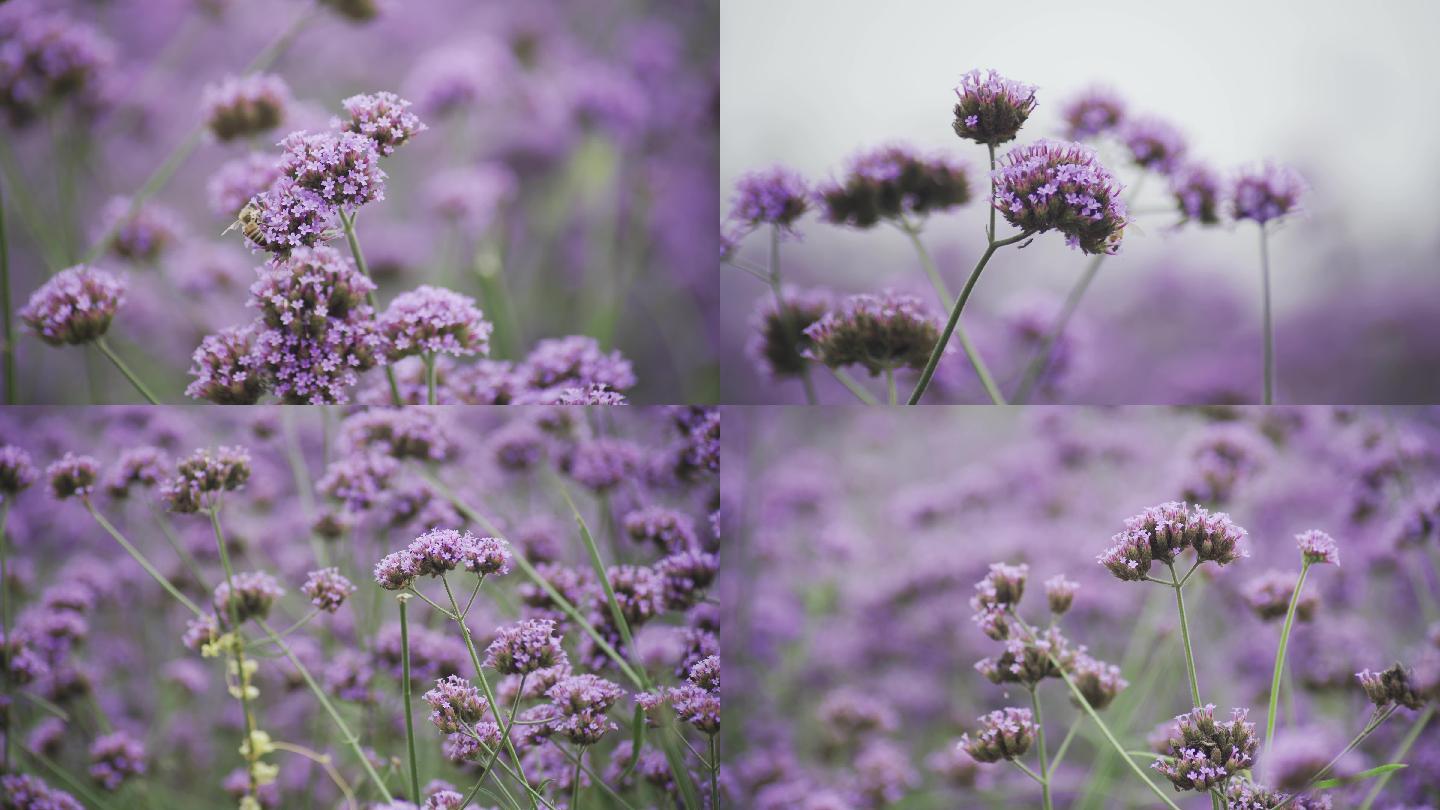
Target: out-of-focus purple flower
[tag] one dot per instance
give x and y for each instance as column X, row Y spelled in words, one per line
column 143, row 235
column 1318, row 547
column 245, row 106
column 1094, row 112
column 777, row 196
column 384, row 118
column 357, row 11
column 1197, row 192
column 1097, row 681
column 204, row 475
column 667, row 529
column 286, row 216
column 1003, row 734
column 1266, row 192
column 892, row 183
column 402, row 433
column 451, row 79
column 342, row 167
column 471, row 197
column 1395, row 685
column 527, row 646
column 778, row 343
column 73, row 476
column 25, row 792
column 877, row 332
column 49, row 59
column 575, row 361
column 238, row 181
column 253, row 595
column 433, row 320
column 1060, row 593
column 990, row 109
column 327, row 588
column 17, row 472
column 75, row 306
column 227, row 369
column 1268, row 596
column 138, row 466
column 1052, row 185
column 115, row 758
column 359, row 480
column 1205, row 753
column 1154, row 144
column 603, row 464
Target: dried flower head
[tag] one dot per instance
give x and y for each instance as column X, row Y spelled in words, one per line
column 990, row 108
column 17, row 471
column 342, row 167
column 886, row 331
column 327, row 589
column 1003, row 734
column 252, row 596
column 1265, row 192
column 1052, row 185
column 1154, row 144
column 524, row 647
column 384, row 118
column 73, row 476
column 777, row 196
column 1097, row 111
column 245, row 106
column 893, row 183
column 1205, row 753
column 75, row 306
column 433, row 320
column 1392, row 686
column 1317, row 547
column 1196, row 189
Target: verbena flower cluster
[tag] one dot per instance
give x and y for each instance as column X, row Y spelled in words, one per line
column 74, row 307
column 876, row 332
column 1050, row 185
column 892, row 183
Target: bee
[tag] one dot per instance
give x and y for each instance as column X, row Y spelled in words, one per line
column 248, row 221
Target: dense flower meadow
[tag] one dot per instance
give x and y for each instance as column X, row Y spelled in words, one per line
column 1224, row 607
column 332, row 201
column 917, row 322
column 431, row 608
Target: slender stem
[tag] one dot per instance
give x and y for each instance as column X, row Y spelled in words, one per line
column 1280, row 657
column 323, row 760
column 891, row 396
column 987, row 380
column 1039, row 780
column 1268, row 325
column 1040, row 748
column 781, row 310
column 1065, row 743
column 114, row 358
column 575, row 783
column 11, row 391
column 715, row 771
column 345, row 732
column 429, row 378
column 409, row 709
column 347, row 221
column 251, row 751
column 1400, row 751
column 5, row 636
column 1377, row 719
column 854, row 386
column 950, row 325
column 990, row 232
column 1185, row 636
column 140, row 558
column 1041, row 361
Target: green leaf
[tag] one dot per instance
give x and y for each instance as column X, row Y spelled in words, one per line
column 1379, row 770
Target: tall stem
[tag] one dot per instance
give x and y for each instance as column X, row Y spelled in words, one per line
column 1377, row 719
column 1041, row 362
column 891, row 396
column 11, row 391
column 854, row 387
column 1268, row 325
column 990, row 232
column 251, row 752
column 114, row 358
column 347, row 221
column 1400, row 751
column 1185, row 637
column 715, row 770
column 5, row 636
column 987, row 380
column 429, row 378
column 782, row 311
column 405, row 688
column 1280, row 657
column 575, row 783
column 1040, row 747
column 955, row 311
column 140, row 558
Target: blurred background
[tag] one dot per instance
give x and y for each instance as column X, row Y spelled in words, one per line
column 578, row 139
column 1339, row 92
column 855, row 538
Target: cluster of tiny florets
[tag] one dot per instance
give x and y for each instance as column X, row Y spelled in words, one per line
column 1317, row 547
column 1161, row 533
column 893, row 183
column 583, row 702
column 1003, row 734
column 440, row 551
column 777, row 196
column 342, row 167
column 1052, row 185
column 1154, row 144
column 74, row 307
column 433, row 320
column 201, row 478
column 1265, row 193
column 990, row 109
column 73, row 476
column 248, row 595
column 327, row 588
column 384, row 118
column 245, row 106
column 1394, row 686
column 1206, row 753
column 886, row 331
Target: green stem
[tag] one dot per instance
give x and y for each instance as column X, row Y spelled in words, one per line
column 347, row 221
column 1065, row 743
column 1400, row 751
column 1185, row 636
column 1040, row 748
column 1268, row 326
column 11, row 391
column 987, row 380
column 429, row 378
column 990, row 232
column 252, row 754
column 140, row 558
column 954, row 321
column 575, row 783
column 782, row 311
column 1377, row 719
column 715, row 771
column 1280, row 657
column 854, row 387
column 5, row 627
column 114, row 358
column 890, row 395
column 409, row 710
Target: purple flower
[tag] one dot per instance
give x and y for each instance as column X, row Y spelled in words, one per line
column 1196, row 189
column 1097, row 681
column 575, row 361
column 1154, row 144
column 1265, row 192
column 302, row 293
column 138, row 466
column 238, row 181
column 527, row 646
column 471, row 197
column 226, row 368
column 384, row 118
column 886, row 331
column 1003, row 734
column 1161, row 533
column 245, row 106
column 342, row 167
column 455, row 704
column 778, row 343
column 892, row 183
column 286, row 216
column 1268, row 597
column 1060, row 593
column 1206, row 753
column 668, row 529
column 26, row 792
column 319, row 370
column 696, row 706
column 402, row 433
column 1051, row 185
column 1095, row 112
column 1395, row 685
column 776, row 196
column 17, row 471
column 433, row 320
column 206, row 473
column 252, row 596
column 603, row 464
column 141, row 235
column 991, row 108
column 72, row 476
column 49, row 59
column 359, row 480
column 115, row 758
column 327, row 589
column 1318, row 547
column 75, row 306
column 583, row 701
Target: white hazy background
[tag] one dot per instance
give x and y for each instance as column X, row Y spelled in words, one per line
column 1345, row 92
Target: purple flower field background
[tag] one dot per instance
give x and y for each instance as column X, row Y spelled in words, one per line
column 1179, row 104
column 881, row 573
column 247, row 608
column 530, row 185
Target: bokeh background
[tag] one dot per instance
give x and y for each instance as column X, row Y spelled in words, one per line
column 855, row 538
column 603, row 112
column 1338, row 91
